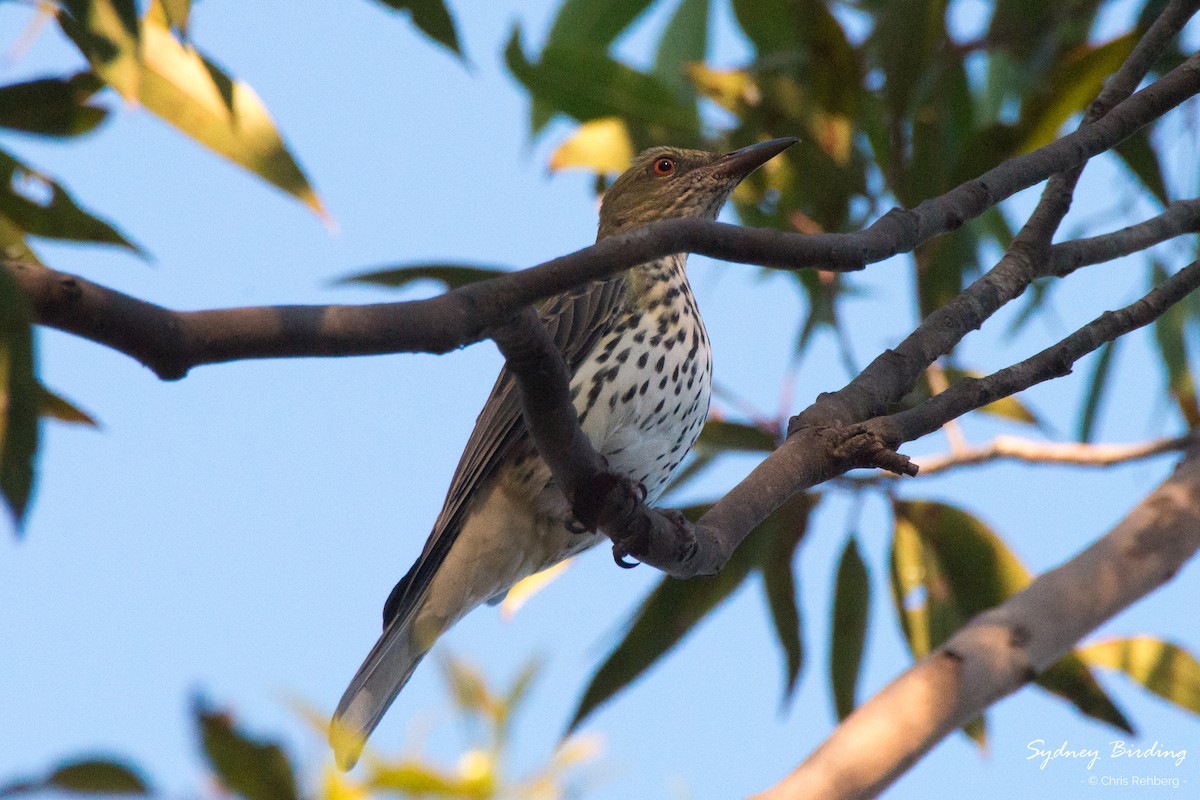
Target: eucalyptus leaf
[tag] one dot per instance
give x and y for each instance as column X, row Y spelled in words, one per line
column 52, row 106
column 250, row 767
column 451, row 276
column 851, row 605
column 432, row 18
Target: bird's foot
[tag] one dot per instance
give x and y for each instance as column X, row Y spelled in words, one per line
column 575, row 526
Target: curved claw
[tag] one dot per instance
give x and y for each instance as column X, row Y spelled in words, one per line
column 642, row 491
column 575, row 526
column 622, row 562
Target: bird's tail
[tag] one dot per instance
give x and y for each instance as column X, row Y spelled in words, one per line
column 383, row 674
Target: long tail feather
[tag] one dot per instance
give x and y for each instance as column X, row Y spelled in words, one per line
column 381, row 677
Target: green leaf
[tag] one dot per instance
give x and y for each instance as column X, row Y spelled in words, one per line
column 851, row 605
column 586, row 84
column 684, row 42
column 784, row 531
column 721, row 436
column 18, row 399
column 184, row 88
column 39, row 206
column 1070, row 679
column 433, row 19
column 1166, row 669
column 52, row 106
column 593, row 23
column 94, row 776
column 675, row 607
column 1172, row 345
column 1139, row 155
column 962, row 568
column 56, row 407
column 107, row 34
column 1097, row 384
column 82, row 776
column 450, row 276
column 254, row 769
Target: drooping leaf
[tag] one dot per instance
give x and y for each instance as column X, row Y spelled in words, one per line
column 676, row 606
column 83, row 776
column 52, row 106
column 1139, row 154
column 18, row 399
column 469, row 688
column 958, row 567
column 1070, row 679
column 586, row 84
column 1096, row 386
column 40, row 206
column 684, row 42
column 451, row 276
column 250, row 767
column 1166, row 669
column 602, row 146
column 1172, row 345
column 180, row 85
column 851, row 605
column 59, row 408
column 593, row 23
column 432, row 18
column 786, row 529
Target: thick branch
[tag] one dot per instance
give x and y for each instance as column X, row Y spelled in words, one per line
column 171, row 342
column 1004, row 648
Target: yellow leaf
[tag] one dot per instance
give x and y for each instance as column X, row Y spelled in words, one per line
column 528, row 587
column 600, row 145
column 833, row 133
column 336, row 786
column 732, row 89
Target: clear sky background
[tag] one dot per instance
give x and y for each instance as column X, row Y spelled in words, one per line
column 237, row 532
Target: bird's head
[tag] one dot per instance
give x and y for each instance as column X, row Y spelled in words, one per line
column 668, row 182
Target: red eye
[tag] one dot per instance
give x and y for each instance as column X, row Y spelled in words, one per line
column 664, row 166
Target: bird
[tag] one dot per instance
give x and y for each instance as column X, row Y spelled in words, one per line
column 641, row 376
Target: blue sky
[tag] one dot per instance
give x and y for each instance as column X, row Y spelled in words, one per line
column 236, row 532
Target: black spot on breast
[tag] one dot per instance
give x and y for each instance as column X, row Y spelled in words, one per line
column 658, row 407
column 663, row 383
column 662, row 362
column 611, row 374
column 612, row 401
column 629, row 394
column 623, row 356
column 642, row 389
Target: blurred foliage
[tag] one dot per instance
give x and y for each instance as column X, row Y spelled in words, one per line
column 893, row 104
column 256, row 768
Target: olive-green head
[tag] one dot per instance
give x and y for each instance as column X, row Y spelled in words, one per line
column 668, row 182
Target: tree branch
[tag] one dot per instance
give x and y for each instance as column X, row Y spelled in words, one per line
column 172, row 342
column 1004, row 648
column 1055, row 361
column 1079, row 454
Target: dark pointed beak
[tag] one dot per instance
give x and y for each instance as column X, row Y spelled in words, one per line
column 741, row 163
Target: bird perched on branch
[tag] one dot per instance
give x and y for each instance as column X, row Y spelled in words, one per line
column 641, row 372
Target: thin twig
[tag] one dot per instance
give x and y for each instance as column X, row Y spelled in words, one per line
column 1032, row 451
